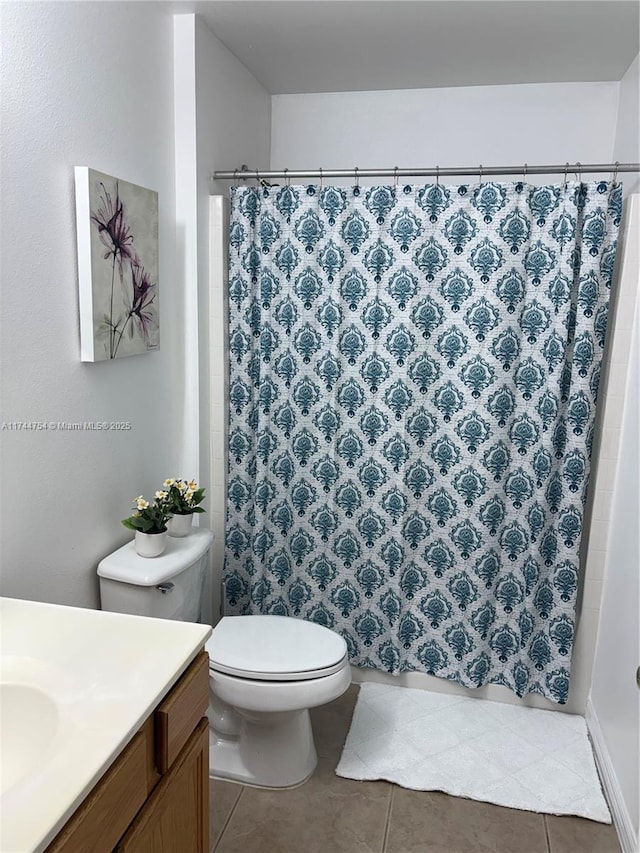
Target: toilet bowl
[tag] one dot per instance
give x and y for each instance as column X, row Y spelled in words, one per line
column 265, row 672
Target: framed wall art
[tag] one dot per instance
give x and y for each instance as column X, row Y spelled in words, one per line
column 117, row 230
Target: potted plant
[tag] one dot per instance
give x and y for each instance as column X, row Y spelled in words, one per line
column 183, row 499
column 149, row 521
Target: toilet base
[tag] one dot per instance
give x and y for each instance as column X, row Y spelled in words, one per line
column 270, row 750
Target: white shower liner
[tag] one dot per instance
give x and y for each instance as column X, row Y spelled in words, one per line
column 523, row 758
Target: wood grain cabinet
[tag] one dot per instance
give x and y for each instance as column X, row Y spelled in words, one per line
column 155, row 796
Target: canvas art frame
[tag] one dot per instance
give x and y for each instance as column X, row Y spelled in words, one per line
column 117, row 233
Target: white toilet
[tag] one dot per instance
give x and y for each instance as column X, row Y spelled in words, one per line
column 265, row 672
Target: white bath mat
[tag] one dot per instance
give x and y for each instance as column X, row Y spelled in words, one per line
column 539, row 761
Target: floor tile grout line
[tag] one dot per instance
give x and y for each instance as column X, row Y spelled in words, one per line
column 229, row 816
column 385, row 835
column 546, row 833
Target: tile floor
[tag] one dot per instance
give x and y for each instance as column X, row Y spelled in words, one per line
column 332, row 815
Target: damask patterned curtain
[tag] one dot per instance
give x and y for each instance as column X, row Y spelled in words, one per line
column 413, row 378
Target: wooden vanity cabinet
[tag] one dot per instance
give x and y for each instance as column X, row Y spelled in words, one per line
column 155, row 796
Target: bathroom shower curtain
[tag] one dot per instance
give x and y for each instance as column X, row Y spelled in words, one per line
column 413, row 379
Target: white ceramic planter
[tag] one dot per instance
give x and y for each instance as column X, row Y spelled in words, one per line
column 179, row 525
column 150, row 544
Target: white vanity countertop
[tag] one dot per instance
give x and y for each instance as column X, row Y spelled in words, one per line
column 76, row 686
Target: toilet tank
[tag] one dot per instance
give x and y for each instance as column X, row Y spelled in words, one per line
column 169, row 586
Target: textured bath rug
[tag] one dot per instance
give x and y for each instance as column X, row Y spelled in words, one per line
column 539, row 761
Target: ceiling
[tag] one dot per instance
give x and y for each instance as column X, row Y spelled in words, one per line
column 295, row 46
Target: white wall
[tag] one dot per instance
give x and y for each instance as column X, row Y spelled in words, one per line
column 614, row 695
column 492, row 125
column 233, row 125
column 627, row 142
column 82, row 84
column 187, row 403
column 615, row 699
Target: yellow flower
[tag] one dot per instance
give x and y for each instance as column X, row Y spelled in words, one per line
column 182, row 486
column 188, row 494
column 193, row 485
column 142, row 504
column 161, row 495
column 168, row 483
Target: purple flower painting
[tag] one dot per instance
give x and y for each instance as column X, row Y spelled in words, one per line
column 117, row 266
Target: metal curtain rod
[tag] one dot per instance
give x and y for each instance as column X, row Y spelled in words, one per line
column 557, row 169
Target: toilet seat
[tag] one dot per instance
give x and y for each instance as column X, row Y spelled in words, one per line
column 275, row 648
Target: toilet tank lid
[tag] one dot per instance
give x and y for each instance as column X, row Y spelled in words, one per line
column 126, row 566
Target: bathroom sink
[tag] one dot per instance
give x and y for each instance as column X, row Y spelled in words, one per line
column 30, row 721
column 34, row 721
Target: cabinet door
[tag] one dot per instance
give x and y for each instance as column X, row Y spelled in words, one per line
column 114, row 802
column 175, row 818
